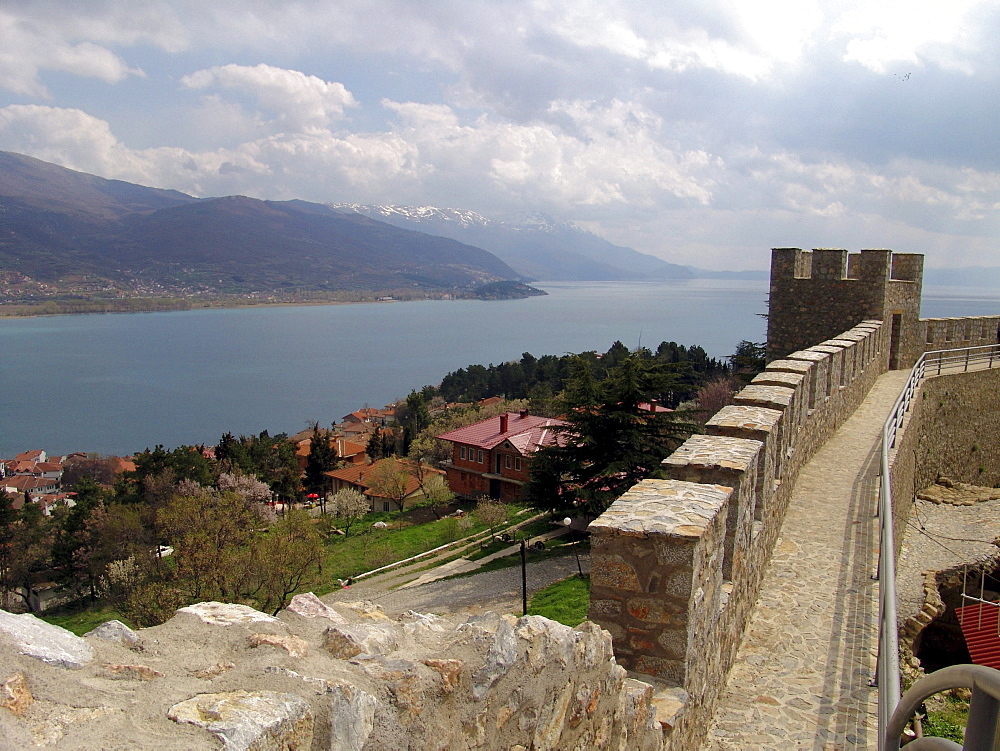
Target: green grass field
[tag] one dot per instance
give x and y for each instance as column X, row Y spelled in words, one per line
column 566, row 601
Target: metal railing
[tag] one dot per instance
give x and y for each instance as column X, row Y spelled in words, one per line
column 984, row 708
column 938, row 362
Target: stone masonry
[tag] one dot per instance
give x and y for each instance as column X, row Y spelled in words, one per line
column 317, row 676
column 815, row 295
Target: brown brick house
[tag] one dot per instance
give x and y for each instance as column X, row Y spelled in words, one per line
column 493, row 457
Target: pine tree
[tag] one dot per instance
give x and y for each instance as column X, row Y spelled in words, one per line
column 613, row 439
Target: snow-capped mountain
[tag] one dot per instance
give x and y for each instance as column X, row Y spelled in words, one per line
column 534, row 244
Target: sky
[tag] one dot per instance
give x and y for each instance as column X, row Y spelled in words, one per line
column 699, row 131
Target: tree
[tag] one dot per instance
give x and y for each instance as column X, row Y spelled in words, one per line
column 715, row 395
column 390, row 478
column 322, row 458
column 434, row 489
column 285, row 556
column 748, row 360
column 211, row 535
column 8, row 519
column 28, row 550
column 101, row 469
column 349, row 505
column 612, row 440
column 72, row 533
column 492, row 513
column 415, row 419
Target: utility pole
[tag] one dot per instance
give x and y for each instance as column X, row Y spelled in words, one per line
column 524, row 577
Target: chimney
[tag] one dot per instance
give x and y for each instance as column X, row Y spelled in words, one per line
column 524, row 413
column 503, row 423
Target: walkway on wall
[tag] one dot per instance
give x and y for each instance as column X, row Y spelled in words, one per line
column 801, row 677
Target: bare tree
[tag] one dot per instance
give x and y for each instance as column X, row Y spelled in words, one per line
column 492, row 513
column 390, row 478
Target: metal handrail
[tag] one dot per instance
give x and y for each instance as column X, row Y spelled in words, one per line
column 984, row 707
column 887, row 680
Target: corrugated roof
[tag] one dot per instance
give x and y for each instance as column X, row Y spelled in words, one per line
column 979, row 625
column 527, row 433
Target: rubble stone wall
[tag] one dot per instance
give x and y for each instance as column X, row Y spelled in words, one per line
column 952, row 429
column 676, row 564
column 317, row 677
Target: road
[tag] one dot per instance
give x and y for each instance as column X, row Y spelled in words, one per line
column 493, row 590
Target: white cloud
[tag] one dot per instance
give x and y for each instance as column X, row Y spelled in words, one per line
column 299, row 101
column 903, row 31
column 78, row 39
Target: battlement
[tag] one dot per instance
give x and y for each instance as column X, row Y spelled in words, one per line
column 872, row 265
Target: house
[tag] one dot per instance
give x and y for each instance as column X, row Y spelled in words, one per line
column 359, row 477
column 31, row 484
column 351, row 452
column 493, row 457
column 365, row 414
column 37, row 455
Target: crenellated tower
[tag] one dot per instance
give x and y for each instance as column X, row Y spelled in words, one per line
column 817, row 294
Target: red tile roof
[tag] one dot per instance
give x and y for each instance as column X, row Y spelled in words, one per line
column 527, row 433
column 358, row 475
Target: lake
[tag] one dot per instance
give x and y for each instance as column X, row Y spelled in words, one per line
column 119, row 383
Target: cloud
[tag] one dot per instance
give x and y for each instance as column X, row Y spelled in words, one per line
column 706, row 130
column 298, row 101
column 78, row 38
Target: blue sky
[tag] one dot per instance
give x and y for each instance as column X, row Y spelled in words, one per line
column 702, row 132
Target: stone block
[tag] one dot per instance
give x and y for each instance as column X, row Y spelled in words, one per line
column 115, row 631
column 15, row 696
column 352, row 717
column 309, row 605
column 250, row 720
column 345, row 642
column 226, row 614
column 35, row 638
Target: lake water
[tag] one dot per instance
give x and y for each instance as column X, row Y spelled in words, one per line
column 118, row 383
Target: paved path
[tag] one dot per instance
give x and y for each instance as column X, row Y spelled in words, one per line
column 801, row 678
column 493, row 590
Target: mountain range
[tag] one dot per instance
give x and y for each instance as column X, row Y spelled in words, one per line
column 67, row 232
column 534, row 244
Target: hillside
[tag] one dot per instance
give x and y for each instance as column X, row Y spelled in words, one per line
column 66, row 234
column 534, row 245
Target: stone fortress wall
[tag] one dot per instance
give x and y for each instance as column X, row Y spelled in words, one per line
column 677, row 563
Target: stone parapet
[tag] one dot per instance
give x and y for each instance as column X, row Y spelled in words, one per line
column 723, row 461
column 665, row 545
column 957, row 333
column 659, row 581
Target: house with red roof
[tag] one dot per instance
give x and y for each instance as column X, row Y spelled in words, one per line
column 359, row 477
column 493, row 457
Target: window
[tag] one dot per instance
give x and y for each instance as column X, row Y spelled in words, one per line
column 461, row 452
column 517, row 463
column 506, row 461
column 385, row 506
column 480, row 457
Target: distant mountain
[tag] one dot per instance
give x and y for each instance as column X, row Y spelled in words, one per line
column 66, row 232
column 534, row 245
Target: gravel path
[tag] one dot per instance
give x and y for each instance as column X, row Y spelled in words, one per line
column 494, row 590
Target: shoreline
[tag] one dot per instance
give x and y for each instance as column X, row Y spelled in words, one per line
column 170, row 305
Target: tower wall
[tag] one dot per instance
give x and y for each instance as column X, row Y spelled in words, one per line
column 817, row 294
